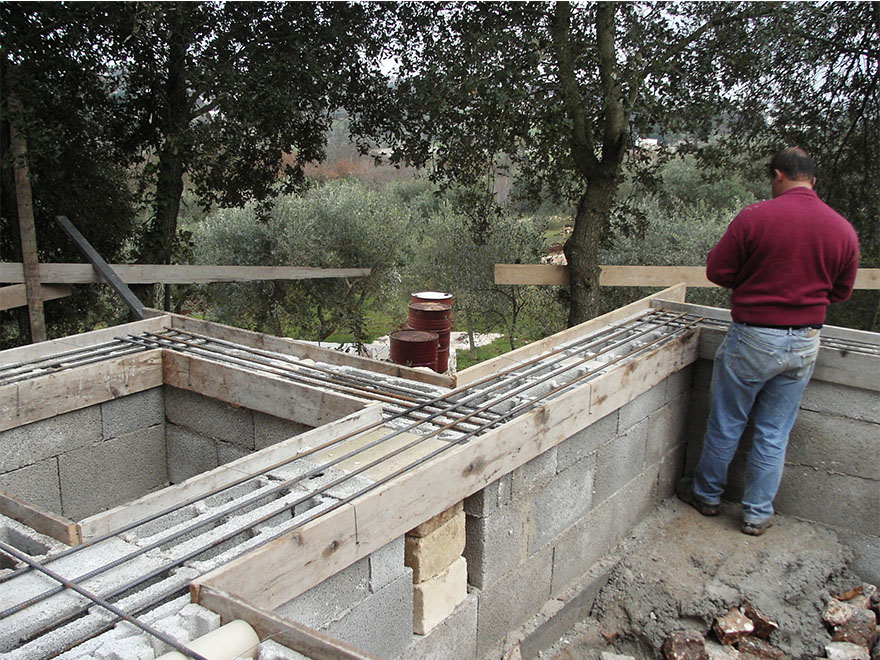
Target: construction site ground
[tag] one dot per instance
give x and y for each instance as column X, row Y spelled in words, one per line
column 680, row 570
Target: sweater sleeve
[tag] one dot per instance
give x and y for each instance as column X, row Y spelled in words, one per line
column 725, row 259
column 843, row 285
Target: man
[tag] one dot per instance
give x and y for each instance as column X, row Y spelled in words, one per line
column 785, row 260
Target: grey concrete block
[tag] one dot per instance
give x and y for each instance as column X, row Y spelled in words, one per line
column 112, row 472
column 702, row 377
column 37, row 484
column 270, row 650
column 133, row 412
column 270, row 430
column 563, row 501
column 667, row 427
column 332, row 598
column 640, row 407
column 842, row 401
column 380, row 624
column 210, row 417
column 866, row 554
column 535, row 473
column 586, row 441
column 845, row 502
column 835, row 444
column 386, row 564
column 228, row 452
column 619, row 461
column 455, row 638
column 670, row 469
column 506, row 605
column 679, row 383
column 188, row 453
column 31, row 443
column 499, row 543
column 497, row 494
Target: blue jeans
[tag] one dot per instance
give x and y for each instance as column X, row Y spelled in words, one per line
column 762, row 371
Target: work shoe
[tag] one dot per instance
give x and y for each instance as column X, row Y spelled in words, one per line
column 685, row 492
column 756, row 529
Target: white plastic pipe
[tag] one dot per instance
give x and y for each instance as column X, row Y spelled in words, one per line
column 234, row 640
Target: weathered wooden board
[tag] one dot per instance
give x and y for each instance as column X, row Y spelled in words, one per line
column 308, row 641
column 15, row 295
column 489, row 367
column 71, row 389
column 39, row 519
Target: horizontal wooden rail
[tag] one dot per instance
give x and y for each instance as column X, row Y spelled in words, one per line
column 659, row 276
column 15, row 295
column 173, row 274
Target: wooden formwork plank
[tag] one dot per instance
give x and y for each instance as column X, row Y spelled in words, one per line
column 302, row 639
column 198, row 485
column 71, row 389
column 483, row 369
column 15, row 295
column 39, row 519
column 266, row 393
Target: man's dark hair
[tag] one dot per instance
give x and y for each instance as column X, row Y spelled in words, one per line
column 795, row 163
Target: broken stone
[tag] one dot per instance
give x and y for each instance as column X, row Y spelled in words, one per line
column 605, row 655
column 760, row 649
column 846, row 651
column 837, row 613
column 732, row 626
column 684, row 645
column 764, row 625
column 718, row 651
column 859, row 629
column 851, row 593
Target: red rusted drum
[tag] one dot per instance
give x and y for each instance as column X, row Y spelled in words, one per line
column 433, row 317
column 414, row 348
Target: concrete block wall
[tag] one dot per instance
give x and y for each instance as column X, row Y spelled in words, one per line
column 87, row 460
column 832, row 470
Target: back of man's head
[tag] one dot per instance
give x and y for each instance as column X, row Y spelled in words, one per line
column 795, row 163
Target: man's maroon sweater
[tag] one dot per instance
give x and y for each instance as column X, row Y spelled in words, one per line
column 786, row 259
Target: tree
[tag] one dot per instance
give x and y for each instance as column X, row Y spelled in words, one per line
column 563, row 91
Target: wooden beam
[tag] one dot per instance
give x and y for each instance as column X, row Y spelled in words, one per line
column 654, row 276
column 175, row 274
column 39, row 519
column 16, row 294
column 71, row 389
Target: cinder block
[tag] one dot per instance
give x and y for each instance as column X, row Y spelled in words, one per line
column 429, row 556
column 136, row 647
column 436, row 522
column 510, row 602
column 270, row 430
column 188, row 453
column 842, row 401
column 199, row 620
column 585, row 442
column 454, row 638
column 703, row 374
column 667, row 427
column 535, row 473
column 670, row 470
column 332, row 598
column 499, row 543
column 497, row 494
column 619, row 461
column 386, row 564
column 37, row 484
column 133, row 412
column 228, row 452
column 380, row 624
column 112, row 472
column 210, row 417
column 270, row 650
column 563, row 501
column 835, row 444
column 640, row 407
column 679, row 383
column 436, row 598
column 866, row 554
column 31, row 443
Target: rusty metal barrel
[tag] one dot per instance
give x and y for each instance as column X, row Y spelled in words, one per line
column 414, row 348
column 433, row 317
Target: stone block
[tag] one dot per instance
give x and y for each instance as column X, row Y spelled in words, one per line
column 437, row 521
column 586, row 441
column 504, row 606
column 563, row 501
column 199, row 620
column 331, row 599
column 619, row 461
column 640, row 407
column 835, row 444
column 188, row 453
column 228, row 452
column 112, row 472
column 702, row 375
column 842, row 401
column 667, row 428
column 270, row 430
column 380, row 624
column 386, row 564
column 436, row 598
column 679, row 383
column 669, row 471
column 36, row 484
column 429, row 556
column 497, row 494
column 133, row 412
column 454, row 638
column 32, row 443
column 498, row 543
column 210, row 417
column 270, row 650
column 535, row 473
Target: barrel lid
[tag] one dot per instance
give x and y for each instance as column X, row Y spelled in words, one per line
column 431, row 296
column 414, row 335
